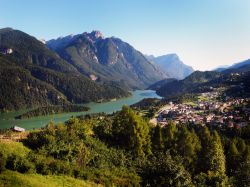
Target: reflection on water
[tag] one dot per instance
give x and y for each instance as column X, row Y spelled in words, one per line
column 7, row 120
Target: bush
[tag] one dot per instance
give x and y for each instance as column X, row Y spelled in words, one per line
column 2, row 163
column 20, row 164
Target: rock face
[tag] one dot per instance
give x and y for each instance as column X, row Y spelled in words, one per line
column 109, row 59
column 172, row 66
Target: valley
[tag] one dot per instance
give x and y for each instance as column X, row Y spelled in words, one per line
column 96, row 111
column 7, row 120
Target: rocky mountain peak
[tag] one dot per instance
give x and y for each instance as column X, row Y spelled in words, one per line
column 94, row 35
column 97, row 34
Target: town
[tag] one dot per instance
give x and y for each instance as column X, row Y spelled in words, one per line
column 209, row 110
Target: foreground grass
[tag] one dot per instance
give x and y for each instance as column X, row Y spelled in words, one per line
column 14, row 179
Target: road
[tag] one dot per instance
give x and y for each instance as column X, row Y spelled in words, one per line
column 154, row 120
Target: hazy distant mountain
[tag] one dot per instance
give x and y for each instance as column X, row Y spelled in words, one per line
column 221, row 68
column 240, row 64
column 31, row 75
column 107, row 59
column 240, row 67
column 172, row 65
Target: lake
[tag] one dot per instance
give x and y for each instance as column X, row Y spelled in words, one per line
column 8, row 120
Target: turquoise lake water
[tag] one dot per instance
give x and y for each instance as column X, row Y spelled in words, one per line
column 8, row 120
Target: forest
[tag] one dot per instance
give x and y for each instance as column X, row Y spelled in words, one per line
column 123, row 149
column 49, row 110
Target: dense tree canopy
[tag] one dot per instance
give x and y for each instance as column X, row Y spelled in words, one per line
column 123, row 149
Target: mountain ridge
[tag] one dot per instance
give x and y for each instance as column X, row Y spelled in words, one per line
column 234, row 66
column 171, row 65
column 39, row 77
column 108, row 59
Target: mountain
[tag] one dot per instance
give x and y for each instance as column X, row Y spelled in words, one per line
column 221, row 68
column 240, row 69
column 234, row 84
column 107, row 60
column 31, row 75
column 160, row 83
column 172, row 65
column 240, row 64
column 194, row 82
column 237, row 67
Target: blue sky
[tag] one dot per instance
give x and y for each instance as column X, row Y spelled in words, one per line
column 204, row 33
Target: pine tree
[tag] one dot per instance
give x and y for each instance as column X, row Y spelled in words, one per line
column 188, row 146
column 243, row 172
column 205, row 138
column 233, row 158
column 169, row 136
column 131, row 132
column 215, row 156
column 157, row 141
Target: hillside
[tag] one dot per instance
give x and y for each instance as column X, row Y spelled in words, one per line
column 190, row 83
column 107, row 59
column 240, row 69
column 237, row 67
column 161, row 83
column 32, row 75
column 235, row 84
column 172, row 66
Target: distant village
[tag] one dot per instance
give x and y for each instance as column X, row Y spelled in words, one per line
column 208, row 110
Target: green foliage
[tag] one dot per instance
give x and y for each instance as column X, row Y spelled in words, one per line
column 20, row 164
column 216, row 157
column 188, row 146
column 205, row 138
column 131, row 132
column 157, row 139
column 70, row 150
column 48, row 110
column 242, row 173
column 162, row 170
column 233, row 158
column 197, row 81
column 13, row 148
column 15, row 179
column 20, row 90
column 116, row 150
column 169, row 133
column 33, row 76
column 2, row 163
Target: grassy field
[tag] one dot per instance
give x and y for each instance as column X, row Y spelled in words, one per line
column 14, row 179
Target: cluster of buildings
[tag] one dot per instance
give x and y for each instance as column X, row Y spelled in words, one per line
column 209, row 111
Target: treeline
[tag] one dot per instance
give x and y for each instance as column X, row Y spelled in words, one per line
column 19, row 90
column 48, row 110
column 22, row 88
column 124, row 150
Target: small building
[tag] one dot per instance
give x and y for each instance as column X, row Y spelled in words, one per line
column 6, row 51
column 18, row 129
column 9, row 51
